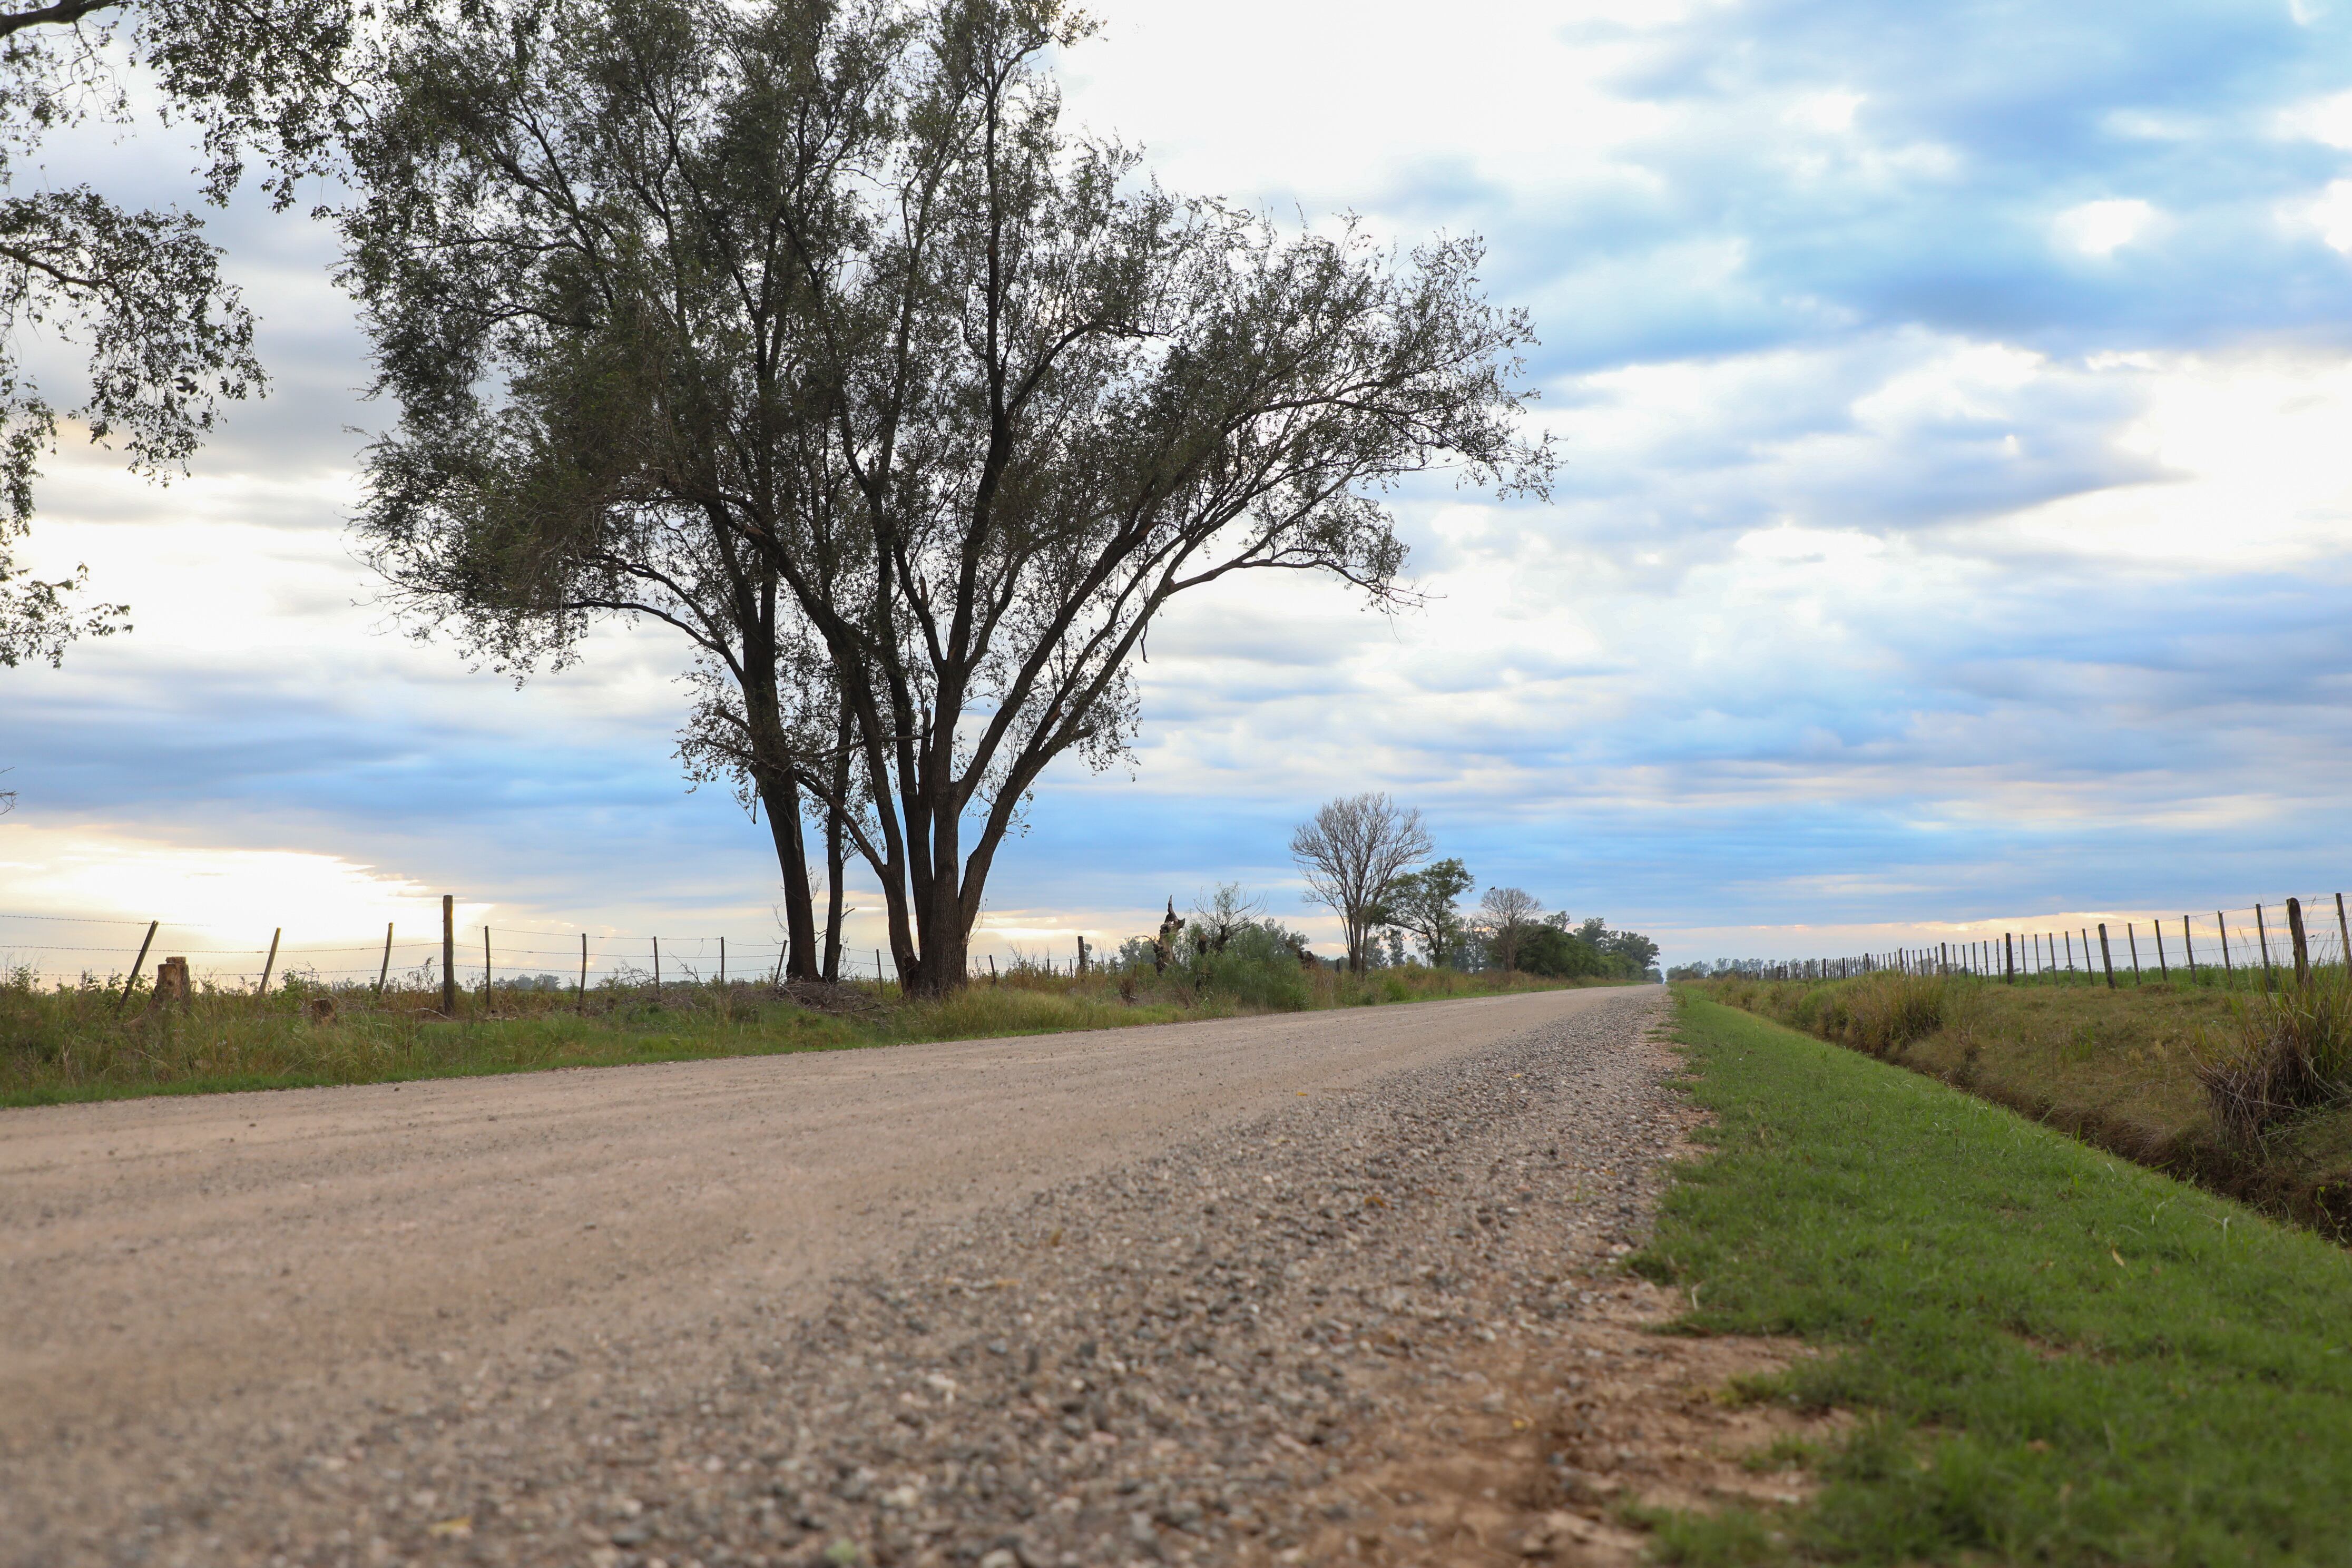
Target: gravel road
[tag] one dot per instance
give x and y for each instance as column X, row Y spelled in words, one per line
column 1320, row 1287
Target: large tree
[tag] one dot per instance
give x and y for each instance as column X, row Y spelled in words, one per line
column 165, row 340
column 1351, row 853
column 806, row 330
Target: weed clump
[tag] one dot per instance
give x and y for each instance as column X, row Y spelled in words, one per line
column 2286, row 1052
column 1877, row 1015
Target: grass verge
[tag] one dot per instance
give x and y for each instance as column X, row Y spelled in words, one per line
column 2120, row 1068
column 71, row 1043
column 2062, row 1357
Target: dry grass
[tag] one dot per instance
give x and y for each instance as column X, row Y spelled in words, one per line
column 71, row 1043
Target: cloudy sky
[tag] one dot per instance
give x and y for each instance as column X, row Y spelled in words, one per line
column 1958, row 423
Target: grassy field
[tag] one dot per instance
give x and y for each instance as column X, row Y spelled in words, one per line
column 2118, row 1068
column 71, row 1044
column 2060, row 1357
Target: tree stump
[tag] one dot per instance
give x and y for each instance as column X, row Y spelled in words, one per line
column 171, row 985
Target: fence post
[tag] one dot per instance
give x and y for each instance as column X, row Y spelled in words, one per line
column 878, row 969
column 448, row 955
column 130, row 981
column 270, row 963
column 2132, row 936
column 2163, row 969
column 584, row 969
column 2229, row 970
column 2189, row 942
column 2302, row 952
column 657, row 969
column 2106, row 955
column 722, row 963
column 2263, row 935
column 384, row 972
column 2346, row 932
column 486, row 966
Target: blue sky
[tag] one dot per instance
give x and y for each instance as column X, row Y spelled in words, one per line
column 1957, row 417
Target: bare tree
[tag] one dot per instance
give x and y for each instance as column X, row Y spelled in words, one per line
column 1507, row 915
column 1351, row 853
column 1218, row 915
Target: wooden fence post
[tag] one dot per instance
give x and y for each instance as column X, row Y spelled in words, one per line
column 130, row 981
column 2346, row 932
column 2302, row 952
column 2163, row 969
column 2106, row 955
column 384, row 972
column 2229, row 970
column 722, row 963
column 270, row 963
column 2008, row 959
column 584, row 969
column 2132, row 935
column 657, row 969
column 2263, row 935
column 2189, row 942
column 878, row 969
column 448, row 955
column 486, row 966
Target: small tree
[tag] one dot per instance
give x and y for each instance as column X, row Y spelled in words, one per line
column 1352, row 852
column 1425, row 903
column 1508, row 917
column 1219, row 915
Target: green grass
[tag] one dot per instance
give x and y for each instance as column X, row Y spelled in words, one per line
column 70, row 1044
column 2060, row 1357
column 2119, row 1068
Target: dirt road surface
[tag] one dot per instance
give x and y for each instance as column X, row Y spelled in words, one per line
column 721, row 1312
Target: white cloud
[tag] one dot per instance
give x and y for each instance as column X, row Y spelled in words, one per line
column 2103, row 227
column 2328, row 121
column 1827, row 111
column 2328, row 215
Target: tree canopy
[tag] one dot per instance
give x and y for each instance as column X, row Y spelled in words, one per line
column 806, row 330
column 166, row 339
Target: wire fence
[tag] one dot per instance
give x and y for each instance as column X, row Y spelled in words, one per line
column 46, row 949
column 2250, row 947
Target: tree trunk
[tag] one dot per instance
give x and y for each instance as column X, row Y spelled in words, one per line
column 781, row 798
column 836, row 864
column 836, row 849
column 946, row 951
